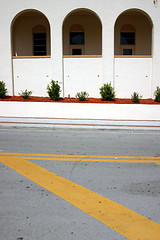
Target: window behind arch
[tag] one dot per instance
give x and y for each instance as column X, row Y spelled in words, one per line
column 127, row 40
column 77, row 41
column 39, row 41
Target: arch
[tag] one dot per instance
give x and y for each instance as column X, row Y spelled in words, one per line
column 86, row 26
column 138, row 11
column 76, row 28
column 136, row 26
column 23, row 28
column 85, row 10
column 39, row 29
column 127, row 28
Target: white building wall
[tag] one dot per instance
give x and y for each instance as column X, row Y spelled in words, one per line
column 136, row 77
column 82, row 74
column 5, row 48
column 56, row 11
column 27, row 69
column 156, row 54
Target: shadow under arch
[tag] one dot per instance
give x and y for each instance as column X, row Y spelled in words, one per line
column 143, row 25
column 140, row 11
column 88, row 42
column 21, row 31
column 84, row 10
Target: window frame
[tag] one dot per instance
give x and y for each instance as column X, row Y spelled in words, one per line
column 37, row 52
column 128, row 29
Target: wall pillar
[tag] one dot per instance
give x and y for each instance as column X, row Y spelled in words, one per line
column 107, row 52
column 6, row 60
column 156, row 57
column 56, row 68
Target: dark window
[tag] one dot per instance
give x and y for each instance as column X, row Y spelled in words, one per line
column 76, row 51
column 127, row 38
column 39, row 44
column 127, row 51
column 76, row 38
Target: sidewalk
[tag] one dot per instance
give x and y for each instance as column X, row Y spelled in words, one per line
column 78, row 123
column 79, row 115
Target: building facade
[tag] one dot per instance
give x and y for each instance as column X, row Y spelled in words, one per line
column 82, row 45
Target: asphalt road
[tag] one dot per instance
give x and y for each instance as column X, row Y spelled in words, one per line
column 30, row 210
column 69, row 141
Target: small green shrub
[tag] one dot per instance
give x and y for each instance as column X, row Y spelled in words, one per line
column 135, row 97
column 157, row 94
column 25, row 94
column 3, row 89
column 107, row 92
column 53, row 90
column 82, row 96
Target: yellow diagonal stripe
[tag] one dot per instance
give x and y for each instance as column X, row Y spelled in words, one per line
column 123, row 220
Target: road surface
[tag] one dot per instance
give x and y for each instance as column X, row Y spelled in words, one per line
column 71, row 184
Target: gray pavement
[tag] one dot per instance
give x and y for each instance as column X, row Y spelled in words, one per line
column 75, row 141
column 30, row 212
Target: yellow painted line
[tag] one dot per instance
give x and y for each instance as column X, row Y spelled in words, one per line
column 92, row 160
column 121, row 219
column 77, row 156
column 87, row 158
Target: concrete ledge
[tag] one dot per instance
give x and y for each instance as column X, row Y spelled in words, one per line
column 80, row 111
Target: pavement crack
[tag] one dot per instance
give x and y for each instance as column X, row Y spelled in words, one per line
column 74, row 166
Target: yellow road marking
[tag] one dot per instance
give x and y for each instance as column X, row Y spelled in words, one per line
column 78, row 156
column 87, row 158
column 121, row 219
column 93, row 160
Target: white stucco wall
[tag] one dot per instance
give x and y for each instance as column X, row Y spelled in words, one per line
column 82, row 74
column 56, row 11
column 32, row 74
column 133, row 75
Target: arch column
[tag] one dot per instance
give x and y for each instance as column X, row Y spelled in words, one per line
column 6, row 59
column 108, row 52
column 156, row 57
column 56, row 67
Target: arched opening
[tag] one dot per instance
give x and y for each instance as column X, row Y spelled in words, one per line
column 82, row 33
column 133, row 33
column 30, row 34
